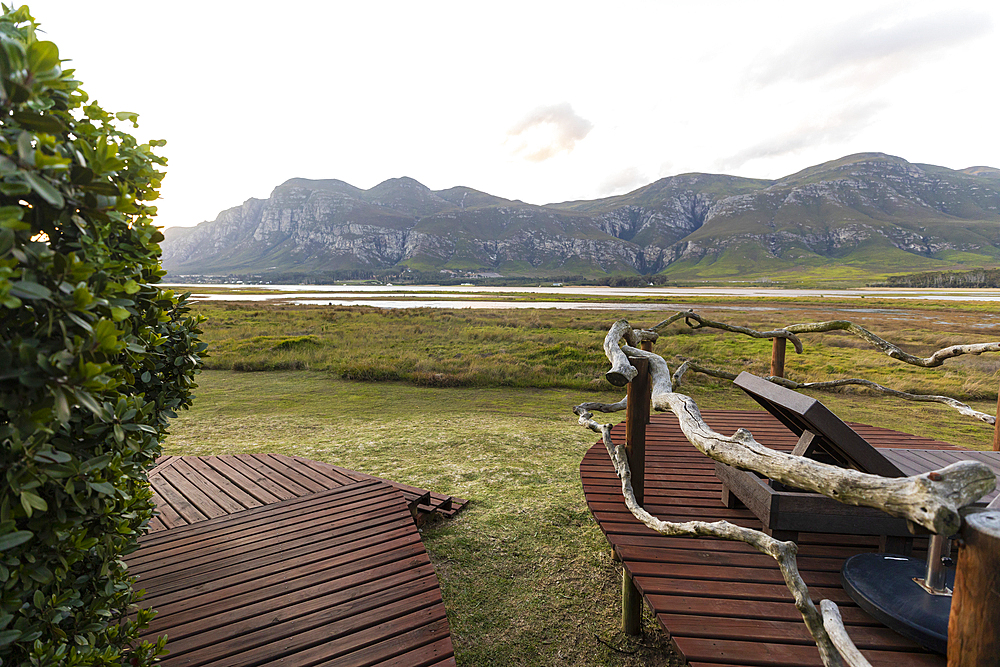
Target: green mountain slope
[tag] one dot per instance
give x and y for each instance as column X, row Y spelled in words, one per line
column 852, row 219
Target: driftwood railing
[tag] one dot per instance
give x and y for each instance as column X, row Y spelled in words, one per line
column 791, row 333
column 933, row 500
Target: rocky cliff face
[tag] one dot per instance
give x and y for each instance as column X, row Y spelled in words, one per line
column 828, row 213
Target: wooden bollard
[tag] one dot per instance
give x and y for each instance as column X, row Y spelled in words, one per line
column 996, row 427
column 974, row 624
column 778, row 357
column 636, row 417
column 646, row 346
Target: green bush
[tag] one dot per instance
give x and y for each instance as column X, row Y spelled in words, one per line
column 94, row 359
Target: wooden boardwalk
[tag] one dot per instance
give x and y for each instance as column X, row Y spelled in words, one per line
column 189, row 489
column 723, row 603
column 275, row 560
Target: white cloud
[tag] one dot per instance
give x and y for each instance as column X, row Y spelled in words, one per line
column 878, row 44
column 835, row 128
column 547, row 131
column 622, row 181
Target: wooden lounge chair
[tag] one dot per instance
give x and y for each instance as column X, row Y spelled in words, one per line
column 824, row 437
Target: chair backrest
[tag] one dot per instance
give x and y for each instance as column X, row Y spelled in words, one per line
column 822, row 435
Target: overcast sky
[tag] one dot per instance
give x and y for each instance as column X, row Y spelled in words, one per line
column 538, row 101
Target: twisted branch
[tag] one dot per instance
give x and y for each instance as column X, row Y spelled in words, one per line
column 690, row 315
column 892, row 350
column 791, row 330
column 834, row 625
column 964, row 409
column 782, row 552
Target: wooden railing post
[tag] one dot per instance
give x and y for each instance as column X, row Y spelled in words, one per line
column 974, row 624
column 647, row 346
column 636, row 416
column 996, row 427
column 778, row 357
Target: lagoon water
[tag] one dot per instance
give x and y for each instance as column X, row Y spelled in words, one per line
column 457, row 296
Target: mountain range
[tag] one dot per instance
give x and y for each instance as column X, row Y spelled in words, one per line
column 862, row 216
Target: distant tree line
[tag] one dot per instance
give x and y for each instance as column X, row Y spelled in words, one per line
column 409, row 276
column 973, row 278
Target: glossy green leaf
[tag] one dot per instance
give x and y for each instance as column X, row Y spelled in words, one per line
column 25, row 289
column 25, row 149
column 128, row 115
column 15, row 188
column 15, row 538
column 52, row 456
column 32, row 501
column 44, row 189
column 48, row 123
column 8, row 636
column 61, row 405
column 102, row 487
column 89, row 402
column 42, row 56
column 7, row 166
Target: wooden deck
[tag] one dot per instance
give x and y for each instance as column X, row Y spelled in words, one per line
column 276, row 560
column 189, row 489
column 723, row 603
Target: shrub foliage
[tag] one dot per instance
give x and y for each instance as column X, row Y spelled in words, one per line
column 94, row 359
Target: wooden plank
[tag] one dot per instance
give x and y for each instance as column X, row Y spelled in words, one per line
column 438, row 652
column 181, row 507
column 295, row 471
column 275, row 471
column 209, row 488
column 403, row 553
column 160, row 463
column 195, row 497
column 430, row 641
column 275, row 480
column 325, row 470
column 730, row 590
column 770, row 654
column 168, row 516
column 726, row 611
column 261, row 479
column 222, row 483
column 787, row 632
column 222, row 466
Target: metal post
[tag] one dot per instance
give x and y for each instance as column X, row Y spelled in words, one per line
column 934, row 576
